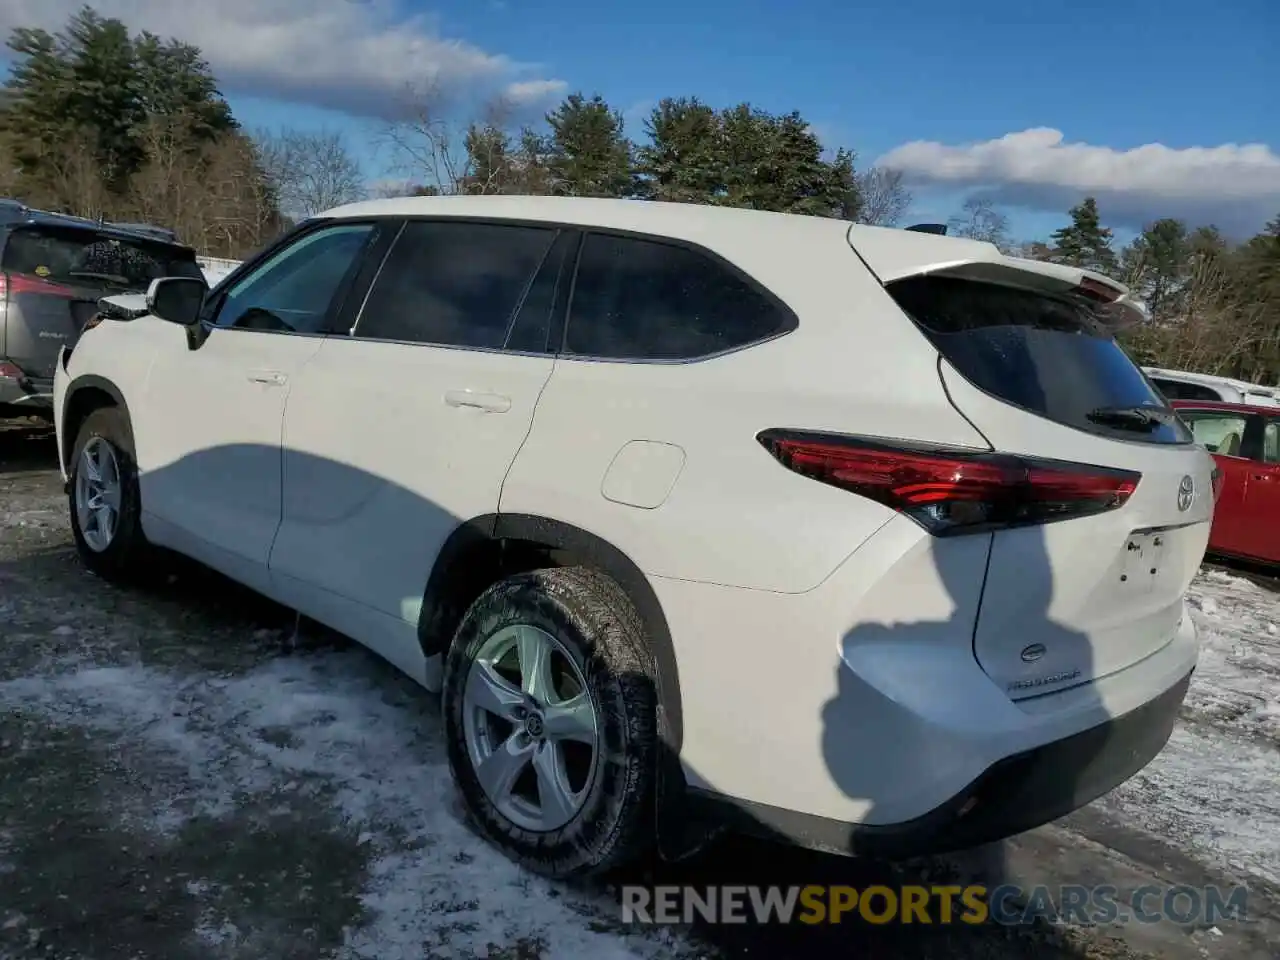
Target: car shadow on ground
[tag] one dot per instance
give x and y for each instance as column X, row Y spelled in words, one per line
column 27, row 445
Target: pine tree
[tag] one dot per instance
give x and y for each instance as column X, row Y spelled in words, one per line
column 590, row 156
column 1157, row 265
column 93, row 79
column 683, row 160
column 1085, row 242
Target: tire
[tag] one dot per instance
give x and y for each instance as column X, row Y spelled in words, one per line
column 126, row 557
column 598, row 633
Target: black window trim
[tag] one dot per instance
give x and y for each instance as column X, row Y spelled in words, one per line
column 376, row 240
column 555, row 228
column 791, row 322
column 561, row 312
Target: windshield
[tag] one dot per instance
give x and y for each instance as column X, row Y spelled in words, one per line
column 82, row 257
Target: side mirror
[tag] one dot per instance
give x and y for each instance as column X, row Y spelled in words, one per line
column 177, row 299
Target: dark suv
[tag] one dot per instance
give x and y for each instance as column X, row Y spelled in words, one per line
column 53, row 270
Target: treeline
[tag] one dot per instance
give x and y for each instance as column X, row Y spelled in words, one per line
column 97, row 120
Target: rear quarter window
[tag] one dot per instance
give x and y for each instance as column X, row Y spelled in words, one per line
column 640, row 299
column 1048, row 355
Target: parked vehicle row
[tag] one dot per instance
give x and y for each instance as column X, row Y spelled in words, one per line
column 1186, row 385
column 867, row 538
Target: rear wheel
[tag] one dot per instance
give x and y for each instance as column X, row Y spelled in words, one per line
column 549, row 709
column 103, row 499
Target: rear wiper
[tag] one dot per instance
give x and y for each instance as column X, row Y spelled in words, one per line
column 1130, row 418
column 105, row 277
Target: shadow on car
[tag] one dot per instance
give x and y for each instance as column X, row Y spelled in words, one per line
column 959, row 844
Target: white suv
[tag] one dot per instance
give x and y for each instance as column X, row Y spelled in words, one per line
column 869, row 539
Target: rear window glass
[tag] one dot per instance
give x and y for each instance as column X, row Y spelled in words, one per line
column 1046, row 354
column 85, row 258
column 1178, row 390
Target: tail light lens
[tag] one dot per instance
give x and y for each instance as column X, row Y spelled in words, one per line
column 21, row 283
column 950, row 492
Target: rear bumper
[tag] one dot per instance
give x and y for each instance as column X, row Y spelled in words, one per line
column 28, row 392
column 1014, row 795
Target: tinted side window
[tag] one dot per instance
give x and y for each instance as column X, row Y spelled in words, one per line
column 645, row 300
column 531, row 327
column 454, row 284
column 293, row 290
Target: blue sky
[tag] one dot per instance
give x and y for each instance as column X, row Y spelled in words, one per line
column 962, row 97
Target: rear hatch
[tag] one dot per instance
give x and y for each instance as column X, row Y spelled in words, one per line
column 52, row 276
column 1027, row 355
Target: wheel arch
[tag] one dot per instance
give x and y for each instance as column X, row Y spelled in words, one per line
column 487, row 548
column 86, row 393
column 484, row 549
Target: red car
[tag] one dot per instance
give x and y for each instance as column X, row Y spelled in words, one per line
column 1245, row 443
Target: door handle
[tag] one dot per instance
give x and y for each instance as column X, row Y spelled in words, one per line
column 489, row 402
column 1260, row 476
column 270, row 377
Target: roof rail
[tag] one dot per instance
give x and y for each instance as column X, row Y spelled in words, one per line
column 938, row 229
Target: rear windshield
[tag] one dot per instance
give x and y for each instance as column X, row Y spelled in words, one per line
column 1181, row 390
column 1049, row 355
column 85, row 258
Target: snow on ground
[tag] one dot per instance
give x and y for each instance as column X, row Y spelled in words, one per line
column 1216, row 786
column 302, row 724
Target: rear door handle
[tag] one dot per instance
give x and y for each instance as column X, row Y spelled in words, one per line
column 271, row 378
column 1261, row 476
column 489, row 402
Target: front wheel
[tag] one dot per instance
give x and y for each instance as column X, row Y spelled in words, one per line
column 103, row 499
column 550, row 717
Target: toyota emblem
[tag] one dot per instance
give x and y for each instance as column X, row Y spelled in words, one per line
column 1186, row 494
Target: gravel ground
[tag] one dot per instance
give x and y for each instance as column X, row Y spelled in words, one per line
column 175, row 784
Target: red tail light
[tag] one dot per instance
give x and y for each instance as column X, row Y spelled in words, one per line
column 950, row 492
column 21, row 283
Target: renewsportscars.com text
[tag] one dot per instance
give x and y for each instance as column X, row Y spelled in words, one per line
column 974, row 904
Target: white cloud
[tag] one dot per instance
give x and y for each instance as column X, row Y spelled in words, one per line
column 356, row 56
column 533, row 92
column 1236, row 186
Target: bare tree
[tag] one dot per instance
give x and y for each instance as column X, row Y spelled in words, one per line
column 430, row 140
column 980, row 220
column 312, row 171
column 884, row 197
column 70, row 180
